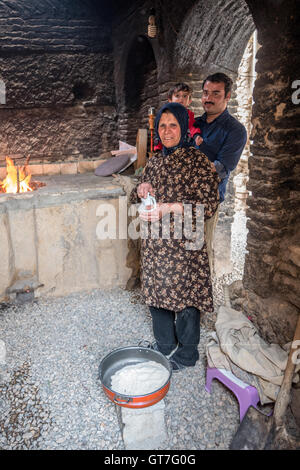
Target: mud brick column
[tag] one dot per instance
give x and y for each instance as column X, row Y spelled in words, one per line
column 272, row 267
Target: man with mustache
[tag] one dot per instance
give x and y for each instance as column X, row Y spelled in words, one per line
column 223, row 137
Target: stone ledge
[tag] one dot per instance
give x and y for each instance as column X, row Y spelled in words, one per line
column 60, row 168
column 61, row 189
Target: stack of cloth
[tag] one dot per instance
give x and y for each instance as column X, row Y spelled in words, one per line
column 237, row 347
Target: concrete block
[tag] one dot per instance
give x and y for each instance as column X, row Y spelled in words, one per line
column 96, row 163
column 68, row 168
column 111, row 253
column 51, row 168
column 66, row 237
column 144, row 429
column 23, row 236
column 78, row 235
column 79, row 260
column 3, row 173
column 50, row 254
column 84, row 166
column 36, row 169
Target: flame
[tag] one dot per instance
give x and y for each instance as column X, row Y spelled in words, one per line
column 10, row 183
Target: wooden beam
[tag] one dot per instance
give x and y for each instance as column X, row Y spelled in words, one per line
column 141, row 148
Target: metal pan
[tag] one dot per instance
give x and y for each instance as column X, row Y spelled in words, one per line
column 131, row 355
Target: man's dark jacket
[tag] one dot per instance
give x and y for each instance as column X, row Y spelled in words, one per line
column 223, row 142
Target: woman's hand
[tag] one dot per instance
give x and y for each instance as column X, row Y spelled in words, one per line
column 161, row 210
column 143, row 189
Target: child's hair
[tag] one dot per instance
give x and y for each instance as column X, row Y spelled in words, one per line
column 179, row 87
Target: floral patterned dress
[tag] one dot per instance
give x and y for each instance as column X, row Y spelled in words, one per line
column 174, row 277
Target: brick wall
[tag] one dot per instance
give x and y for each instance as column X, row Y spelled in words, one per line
column 39, row 25
column 272, row 267
column 56, row 63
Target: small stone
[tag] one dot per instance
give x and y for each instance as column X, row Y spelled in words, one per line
column 60, row 440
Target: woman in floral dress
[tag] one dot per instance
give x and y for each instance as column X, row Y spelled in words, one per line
column 176, row 280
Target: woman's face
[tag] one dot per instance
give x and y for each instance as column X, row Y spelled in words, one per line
column 169, row 130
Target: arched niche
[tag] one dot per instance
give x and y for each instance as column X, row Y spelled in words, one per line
column 139, row 88
column 213, row 37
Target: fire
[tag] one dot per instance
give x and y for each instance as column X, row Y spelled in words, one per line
column 16, row 180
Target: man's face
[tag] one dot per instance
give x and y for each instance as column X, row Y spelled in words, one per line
column 213, row 98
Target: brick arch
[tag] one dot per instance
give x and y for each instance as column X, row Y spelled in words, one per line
column 272, row 266
column 213, row 35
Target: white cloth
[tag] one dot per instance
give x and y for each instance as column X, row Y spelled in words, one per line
column 236, row 346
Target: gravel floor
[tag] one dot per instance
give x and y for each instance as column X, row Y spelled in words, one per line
column 50, row 395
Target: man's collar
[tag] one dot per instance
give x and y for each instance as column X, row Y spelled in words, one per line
column 219, row 118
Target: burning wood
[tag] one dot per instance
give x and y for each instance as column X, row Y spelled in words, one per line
column 17, row 179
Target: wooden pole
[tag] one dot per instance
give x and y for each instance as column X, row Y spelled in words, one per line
column 141, row 148
column 283, row 396
column 151, row 117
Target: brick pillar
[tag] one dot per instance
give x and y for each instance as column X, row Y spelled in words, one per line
column 272, row 273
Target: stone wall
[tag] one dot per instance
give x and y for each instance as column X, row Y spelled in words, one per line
column 56, row 63
column 272, row 267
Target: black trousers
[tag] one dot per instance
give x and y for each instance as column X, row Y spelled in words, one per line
column 182, row 329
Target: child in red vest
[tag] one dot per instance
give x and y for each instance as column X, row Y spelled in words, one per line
column 182, row 93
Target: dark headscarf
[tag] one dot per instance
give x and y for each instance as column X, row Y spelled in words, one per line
column 182, row 117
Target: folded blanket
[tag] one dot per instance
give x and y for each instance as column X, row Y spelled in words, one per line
column 236, row 346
